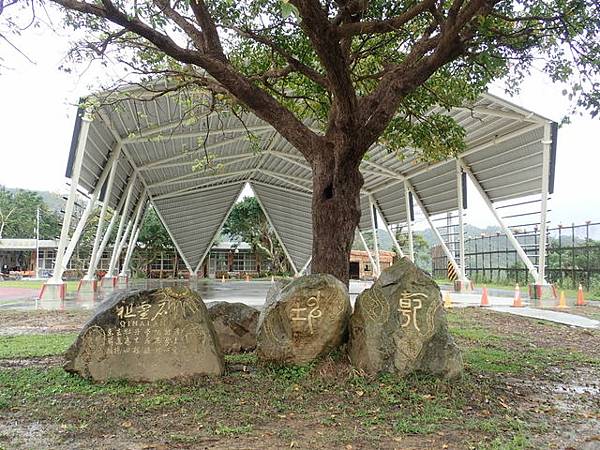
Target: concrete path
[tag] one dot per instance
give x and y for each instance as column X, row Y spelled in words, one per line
column 553, row 316
column 504, row 305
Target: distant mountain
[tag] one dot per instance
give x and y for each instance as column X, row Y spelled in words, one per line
column 53, row 200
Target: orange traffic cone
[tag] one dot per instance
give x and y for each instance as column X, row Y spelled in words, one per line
column 562, row 301
column 517, row 302
column 485, row 301
column 447, row 301
column 580, row 299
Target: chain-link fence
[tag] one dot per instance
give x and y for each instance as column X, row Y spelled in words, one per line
column 572, row 256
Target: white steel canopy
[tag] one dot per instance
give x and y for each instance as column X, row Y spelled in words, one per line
column 154, row 143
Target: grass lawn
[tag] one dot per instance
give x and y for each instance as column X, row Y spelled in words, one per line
column 517, row 393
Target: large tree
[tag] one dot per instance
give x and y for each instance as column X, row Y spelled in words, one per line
column 359, row 72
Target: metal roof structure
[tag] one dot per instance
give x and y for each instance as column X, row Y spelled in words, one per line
column 145, row 147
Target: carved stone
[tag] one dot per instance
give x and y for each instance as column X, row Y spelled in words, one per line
column 399, row 325
column 303, row 320
column 235, row 325
column 146, row 336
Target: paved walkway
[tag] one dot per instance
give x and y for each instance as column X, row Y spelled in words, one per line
column 553, row 316
column 504, row 305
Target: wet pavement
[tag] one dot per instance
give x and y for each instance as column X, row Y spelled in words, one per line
column 254, row 293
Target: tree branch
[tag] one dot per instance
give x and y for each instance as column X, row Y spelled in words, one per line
column 387, row 25
column 293, row 62
column 326, row 42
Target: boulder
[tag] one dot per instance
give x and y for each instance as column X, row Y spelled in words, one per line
column 303, row 320
column 399, row 325
column 147, row 335
column 235, row 325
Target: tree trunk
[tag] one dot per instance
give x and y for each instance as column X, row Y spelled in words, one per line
column 335, row 212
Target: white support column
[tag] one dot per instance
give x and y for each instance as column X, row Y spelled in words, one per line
column 134, row 235
column 129, row 253
column 129, row 229
column 375, row 237
column 212, row 241
column 447, row 251
column 77, row 233
column 463, row 283
column 64, row 233
column 294, row 268
column 364, row 243
column 164, row 223
column 510, row 236
column 120, row 230
column 547, row 143
column 89, row 208
column 305, row 266
column 108, row 232
column 91, row 273
column 461, row 225
column 411, row 245
column 387, row 228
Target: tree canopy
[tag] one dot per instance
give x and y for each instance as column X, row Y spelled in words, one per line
column 18, row 215
column 248, row 222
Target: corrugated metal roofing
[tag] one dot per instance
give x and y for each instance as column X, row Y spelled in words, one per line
column 161, row 142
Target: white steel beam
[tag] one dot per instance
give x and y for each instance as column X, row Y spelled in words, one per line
column 194, row 134
column 187, row 264
column 91, row 273
column 437, row 234
column 509, row 234
column 375, row 235
column 135, row 233
column 75, row 172
column 285, row 250
column 131, row 225
column 305, row 266
column 159, row 162
column 411, row 245
column 236, row 157
column 90, row 207
column 198, row 188
column 118, row 210
column 369, row 254
column 190, row 177
column 387, row 228
column 120, row 230
column 212, row 241
column 547, row 142
column 151, row 132
column 461, row 225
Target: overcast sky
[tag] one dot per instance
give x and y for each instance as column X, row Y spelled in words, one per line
column 37, row 115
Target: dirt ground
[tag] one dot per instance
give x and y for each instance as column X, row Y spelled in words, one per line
column 527, row 384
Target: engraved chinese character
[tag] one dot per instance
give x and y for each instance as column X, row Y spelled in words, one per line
column 143, row 311
column 125, row 311
column 409, row 305
column 313, row 304
column 162, row 310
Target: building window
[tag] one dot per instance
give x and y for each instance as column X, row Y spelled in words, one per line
column 367, row 268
